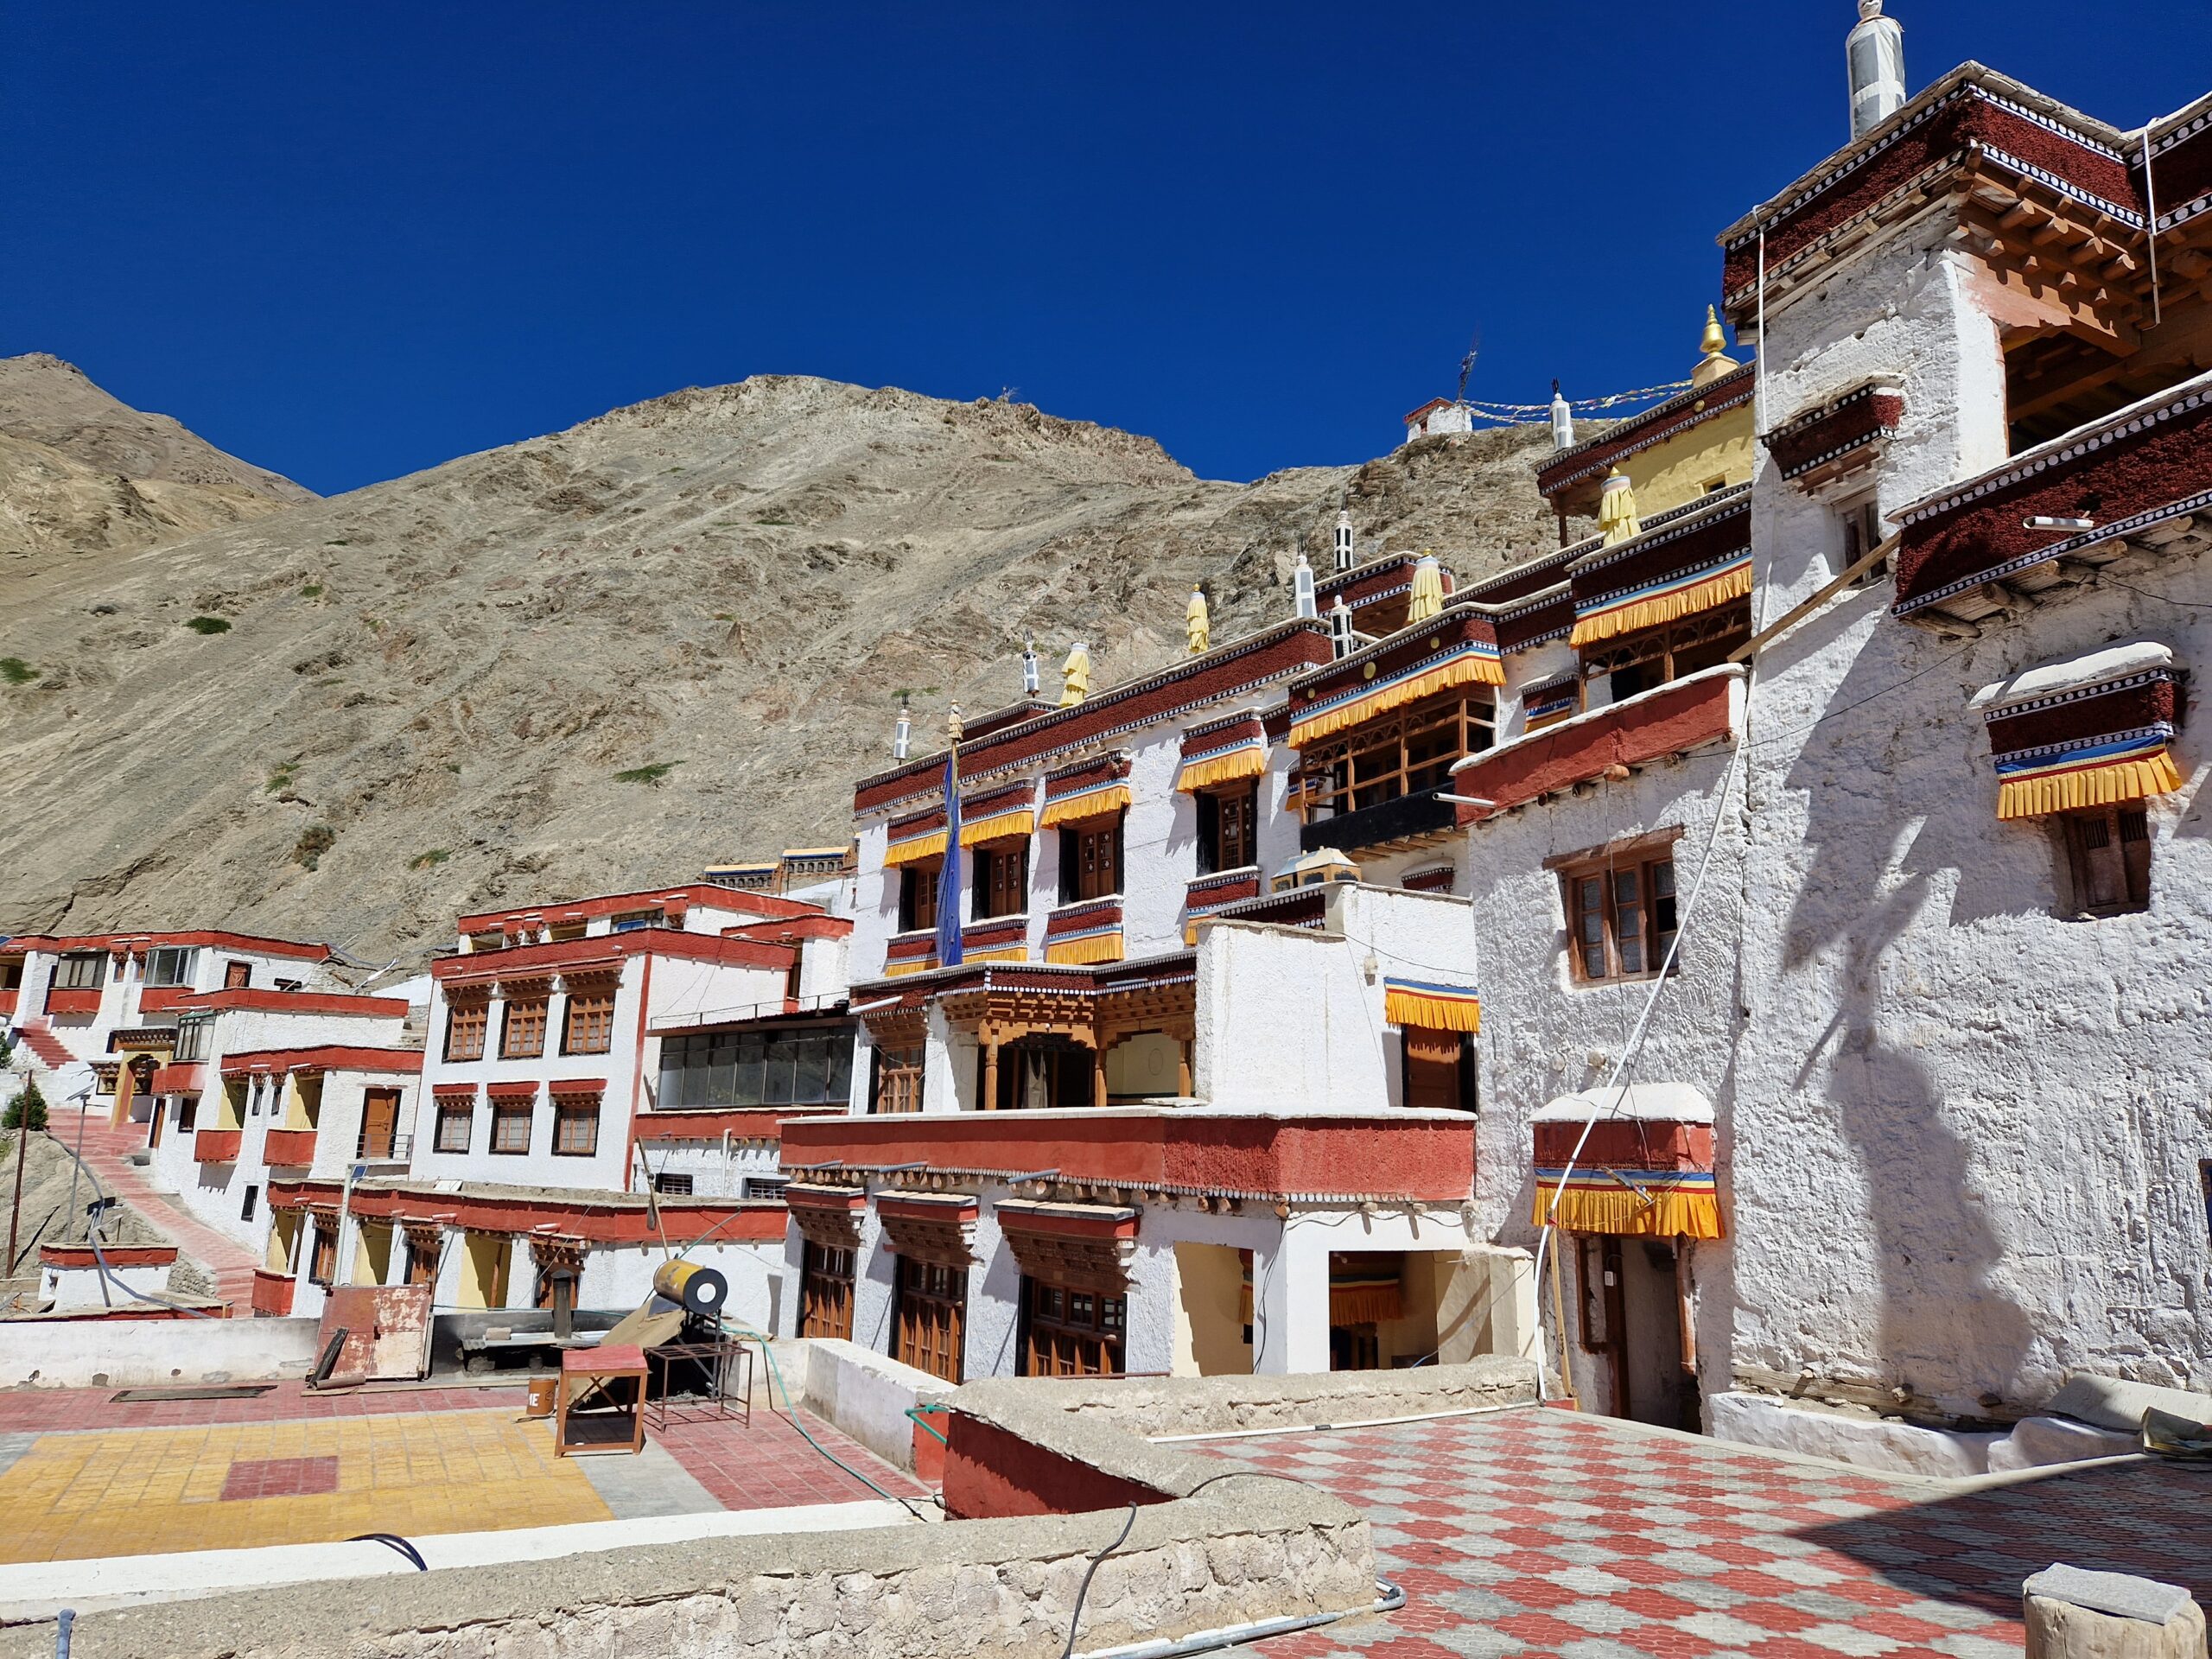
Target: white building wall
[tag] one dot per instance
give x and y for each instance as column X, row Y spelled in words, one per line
column 1967, row 1134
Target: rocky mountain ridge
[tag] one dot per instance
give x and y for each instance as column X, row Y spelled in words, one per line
column 604, row 658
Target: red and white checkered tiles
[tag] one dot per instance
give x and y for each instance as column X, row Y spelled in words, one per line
column 1540, row 1532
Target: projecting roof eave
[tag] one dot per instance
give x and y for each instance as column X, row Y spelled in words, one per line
column 1818, row 178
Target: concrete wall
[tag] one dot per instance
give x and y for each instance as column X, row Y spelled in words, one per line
column 152, row 1353
column 861, row 1394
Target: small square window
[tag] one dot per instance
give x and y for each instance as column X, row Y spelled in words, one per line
column 1861, row 522
column 252, row 1196
column 672, row 1186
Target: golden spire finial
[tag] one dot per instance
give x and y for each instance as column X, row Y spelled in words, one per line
column 1714, row 339
column 1713, row 343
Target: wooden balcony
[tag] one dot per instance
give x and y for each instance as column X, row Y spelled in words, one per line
column 1426, row 1156
column 1605, row 744
column 59, row 1001
column 287, row 1147
column 216, row 1145
column 1409, row 821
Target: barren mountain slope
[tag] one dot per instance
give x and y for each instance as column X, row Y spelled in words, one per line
column 428, row 688
column 82, row 474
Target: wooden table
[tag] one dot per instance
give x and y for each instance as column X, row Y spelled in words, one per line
column 586, row 1372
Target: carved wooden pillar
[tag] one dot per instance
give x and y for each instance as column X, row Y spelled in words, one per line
column 991, row 1101
column 1183, row 1080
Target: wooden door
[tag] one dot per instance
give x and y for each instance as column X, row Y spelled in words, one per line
column 379, row 1123
column 931, row 1324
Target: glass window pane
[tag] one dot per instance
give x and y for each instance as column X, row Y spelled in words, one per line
column 813, row 1070
column 745, row 1061
column 839, row 1086
column 780, row 1072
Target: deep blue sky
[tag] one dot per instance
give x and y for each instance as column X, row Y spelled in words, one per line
column 346, row 242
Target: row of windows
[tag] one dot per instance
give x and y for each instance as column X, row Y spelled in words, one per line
column 1064, row 1332
column 587, row 1026
column 575, row 1127
column 1091, row 868
column 775, row 1068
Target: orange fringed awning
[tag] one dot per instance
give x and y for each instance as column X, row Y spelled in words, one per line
column 1355, row 1297
column 1662, row 601
column 1101, row 802
column 2098, row 782
column 1632, row 1203
column 1469, row 665
column 929, row 843
column 1085, row 947
column 1436, row 1008
column 1231, row 765
column 1018, row 825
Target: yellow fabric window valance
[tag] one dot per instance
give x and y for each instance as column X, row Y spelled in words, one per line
column 914, row 849
column 1632, row 1203
column 1232, row 765
column 1085, row 947
column 2062, row 788
column 1435, row 1008
column 1471, row 665
column 1018, row 825
column 915, row 965
column 1663, row 602
column 1101, row 802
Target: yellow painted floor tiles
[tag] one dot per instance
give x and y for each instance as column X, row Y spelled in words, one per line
column 141, row 1491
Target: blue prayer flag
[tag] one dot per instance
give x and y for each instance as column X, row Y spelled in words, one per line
column 948, row 880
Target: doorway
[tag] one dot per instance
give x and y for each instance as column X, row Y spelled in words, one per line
column 1633, row 1319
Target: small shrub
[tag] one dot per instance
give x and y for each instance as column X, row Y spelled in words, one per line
column 312, row 590
column 651, row 775
column 340, row 542
column 428, row 861
column 280, row 778
column 773, row 519
column 16, row 671
column 28, row 1105
column 453, row 766
column 315, row 841
column 208, row 623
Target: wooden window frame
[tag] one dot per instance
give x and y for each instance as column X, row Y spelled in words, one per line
column 1858, row 521
column 1642, row 898
column 450, row 1113
column 506, row 1113
column 569, row 1110
column 1058, row 1340
column 929, row 1321
column 587, row 1020
column 523, row 1022
column 1408, row 751
column 1687, row 646
column 2107, row 850
column 1001, row 883
column 917, row 885
column 897, row 1086
column 632, row 921
column 468, row 1027
column 1093, row 863
column 323, row 1262
column 237, row 976
column 1229, row 828
column 827, row 1275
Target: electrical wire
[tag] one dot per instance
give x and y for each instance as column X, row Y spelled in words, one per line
column 790, row 1414
column 99, row 1256
column 1083, row 1590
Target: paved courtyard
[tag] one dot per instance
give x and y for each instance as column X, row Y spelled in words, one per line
column 83, row 1474
column 1542, row 1531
